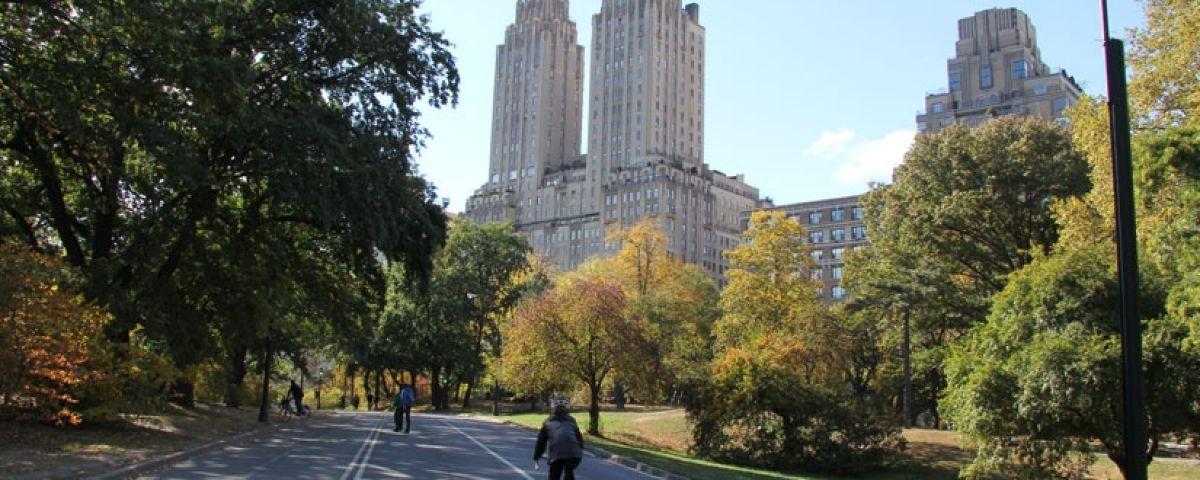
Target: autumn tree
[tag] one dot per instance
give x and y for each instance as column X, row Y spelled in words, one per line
column 578, row 331
column 778, row 395
column 49, row 337
column 676, row 302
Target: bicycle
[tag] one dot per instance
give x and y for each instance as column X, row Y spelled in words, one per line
column 285, row 411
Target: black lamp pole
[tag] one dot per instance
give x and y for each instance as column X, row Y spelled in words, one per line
column 1134, row 434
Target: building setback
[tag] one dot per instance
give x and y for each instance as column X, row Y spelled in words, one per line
column 645, row 137
column 997, row 70
column 835, row 228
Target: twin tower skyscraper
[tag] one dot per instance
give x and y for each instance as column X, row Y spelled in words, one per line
column 645, row 134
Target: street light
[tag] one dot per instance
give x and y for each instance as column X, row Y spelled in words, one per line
column 1134, row 428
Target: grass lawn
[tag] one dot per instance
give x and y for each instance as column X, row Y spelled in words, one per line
column 660, row 437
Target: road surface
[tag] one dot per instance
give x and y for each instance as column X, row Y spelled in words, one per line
column 355, row 446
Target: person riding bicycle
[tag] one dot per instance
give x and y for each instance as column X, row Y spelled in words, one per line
column 561, row 441
column 296, row 393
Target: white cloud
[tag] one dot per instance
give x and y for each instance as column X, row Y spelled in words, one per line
column 830, row 144
column 863, row 161
column 874, row 160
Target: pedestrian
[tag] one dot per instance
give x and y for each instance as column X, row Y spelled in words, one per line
column 561, row 441
column 354, row 401
column 297, row 395
column 370, row 401
column 403, row 406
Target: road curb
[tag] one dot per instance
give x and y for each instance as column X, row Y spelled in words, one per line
column 601, row 454
column 130, row 471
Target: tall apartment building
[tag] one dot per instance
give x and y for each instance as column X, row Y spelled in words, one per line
column 835, row 228
column 645, row 135
column 998, row 70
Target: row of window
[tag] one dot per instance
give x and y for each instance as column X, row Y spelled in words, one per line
column 859, row 232
column 1019, row 70
column 835, row 215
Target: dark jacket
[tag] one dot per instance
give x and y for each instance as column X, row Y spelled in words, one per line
column 559, row 439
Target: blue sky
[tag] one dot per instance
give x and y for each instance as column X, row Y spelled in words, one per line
column 809, row 99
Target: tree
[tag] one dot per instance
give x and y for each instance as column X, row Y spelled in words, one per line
column 779, row 395
column 131, row 132
column 675, row 301
column 1163, row 58
column 578, row 332
column 968, row 207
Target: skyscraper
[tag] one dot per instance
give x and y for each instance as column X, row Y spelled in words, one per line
column 645, row 135
column 998, row 70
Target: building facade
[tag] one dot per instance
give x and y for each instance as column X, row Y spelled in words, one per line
column 998, row 70
column 835, row 228
column 645, row 135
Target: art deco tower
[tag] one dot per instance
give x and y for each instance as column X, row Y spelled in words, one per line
column 647, row 85
column 538, row 96
column 998, row 70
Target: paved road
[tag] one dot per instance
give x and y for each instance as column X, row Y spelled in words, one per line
column 354, row 446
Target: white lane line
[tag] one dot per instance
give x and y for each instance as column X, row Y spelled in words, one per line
column 366, row 460
column 354, row 461
column 488, row 450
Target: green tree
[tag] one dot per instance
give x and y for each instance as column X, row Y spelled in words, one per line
column 128, row 130
column 968, row 207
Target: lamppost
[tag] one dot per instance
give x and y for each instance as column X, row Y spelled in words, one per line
column 1134, row 428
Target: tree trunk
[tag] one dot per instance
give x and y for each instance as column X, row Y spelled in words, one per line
column 594, row 411
column 235, row 374
column 906, row 352
column 466, row 399
column 435, row 388
column 496, row 398
column 264, row 406
column 378, row 379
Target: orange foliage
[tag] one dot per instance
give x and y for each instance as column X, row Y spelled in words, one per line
column 47, row 336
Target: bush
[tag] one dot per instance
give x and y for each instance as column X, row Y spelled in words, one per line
column 56, row 366
column 48, row 337
column 760, row 411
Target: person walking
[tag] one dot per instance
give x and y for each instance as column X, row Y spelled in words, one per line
column 561, row 441
column 403, row 405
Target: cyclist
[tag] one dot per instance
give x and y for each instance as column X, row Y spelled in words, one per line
column 560, row 439
column 297, row 393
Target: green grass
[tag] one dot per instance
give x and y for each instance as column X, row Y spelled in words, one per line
column 660, row 437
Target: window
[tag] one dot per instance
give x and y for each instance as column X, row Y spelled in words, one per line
column 856, row 213
column 838, row 292
column 955, row 81
column 814, row 218
column 859, row 232
column 837, row 215
column 837, row 273
column 937, row 107
column 837, row 253
column 817, row 255
column 1020, row 69
column 816, row 273
column 816, row 237
column 985, row 76
column 837, row 235
column 1060, row 104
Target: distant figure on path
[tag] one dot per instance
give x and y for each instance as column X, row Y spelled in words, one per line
column 403, row 405
column 297, row 394
column 561, row 441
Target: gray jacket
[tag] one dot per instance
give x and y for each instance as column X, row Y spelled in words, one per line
column 559, row 439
